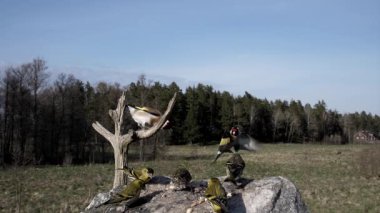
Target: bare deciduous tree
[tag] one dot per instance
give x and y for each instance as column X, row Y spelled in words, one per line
column 120, row 142
column 36, row 78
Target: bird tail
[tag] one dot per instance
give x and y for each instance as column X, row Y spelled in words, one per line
column 126, row 170
column 217, row 156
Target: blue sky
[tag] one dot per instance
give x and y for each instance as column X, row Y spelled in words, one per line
column 274, row 49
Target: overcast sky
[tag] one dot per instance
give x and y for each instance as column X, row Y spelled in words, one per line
column 274, row 49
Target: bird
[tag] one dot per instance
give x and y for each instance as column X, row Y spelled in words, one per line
column 129, row 192
column 144, row 174
column 145, row 117
column 181, row 179
column 225, row 145
column 237, row 140
column 234, row 168
column 216, row 195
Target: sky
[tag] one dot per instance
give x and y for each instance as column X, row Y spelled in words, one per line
column 276, row 49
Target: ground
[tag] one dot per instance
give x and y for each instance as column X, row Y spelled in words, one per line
column 331, row 178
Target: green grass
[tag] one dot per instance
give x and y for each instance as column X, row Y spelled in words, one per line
column 329, row 177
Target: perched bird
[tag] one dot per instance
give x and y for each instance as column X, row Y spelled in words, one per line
column 129, row 192
column 234, row 167
column 181, row 179
column 145, row 117
column 144, row 174
column 216, row 195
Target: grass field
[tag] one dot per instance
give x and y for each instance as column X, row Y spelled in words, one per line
column 331, row 178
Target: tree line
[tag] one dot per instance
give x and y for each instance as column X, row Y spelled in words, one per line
column 44, row 121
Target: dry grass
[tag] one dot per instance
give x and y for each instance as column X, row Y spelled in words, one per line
column 369, row 162
column 330, row 177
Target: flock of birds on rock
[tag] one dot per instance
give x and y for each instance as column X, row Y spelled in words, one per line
column 215, row 194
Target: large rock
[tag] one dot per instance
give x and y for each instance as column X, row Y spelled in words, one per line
column 272, row 194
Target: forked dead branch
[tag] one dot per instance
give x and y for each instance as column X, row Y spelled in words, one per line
column 120, row 142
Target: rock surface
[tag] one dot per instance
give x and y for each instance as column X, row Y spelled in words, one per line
column 272, row 194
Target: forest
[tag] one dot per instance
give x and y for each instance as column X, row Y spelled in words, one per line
column 48, row 121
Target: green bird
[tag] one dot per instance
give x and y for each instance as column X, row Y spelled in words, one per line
column 181, row 179
column 216, row 195
column 144, row 174
column 234, row 167
column 129, row 192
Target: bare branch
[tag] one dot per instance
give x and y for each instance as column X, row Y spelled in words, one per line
column 151, row 131
column 120, row 108
column 113, row 115
column 128, row 138
column 117, row 114
column 103, row 131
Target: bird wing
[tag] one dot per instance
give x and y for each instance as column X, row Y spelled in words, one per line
column 218, row 204
column 150, row 110
column 225, row 141
column 143, row 118
column 131, row 191
column 136, row 173
column 210, row 192
column 246, row 142
column 215, row 190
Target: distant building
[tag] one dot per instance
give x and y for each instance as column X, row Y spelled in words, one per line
column 364, row 136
